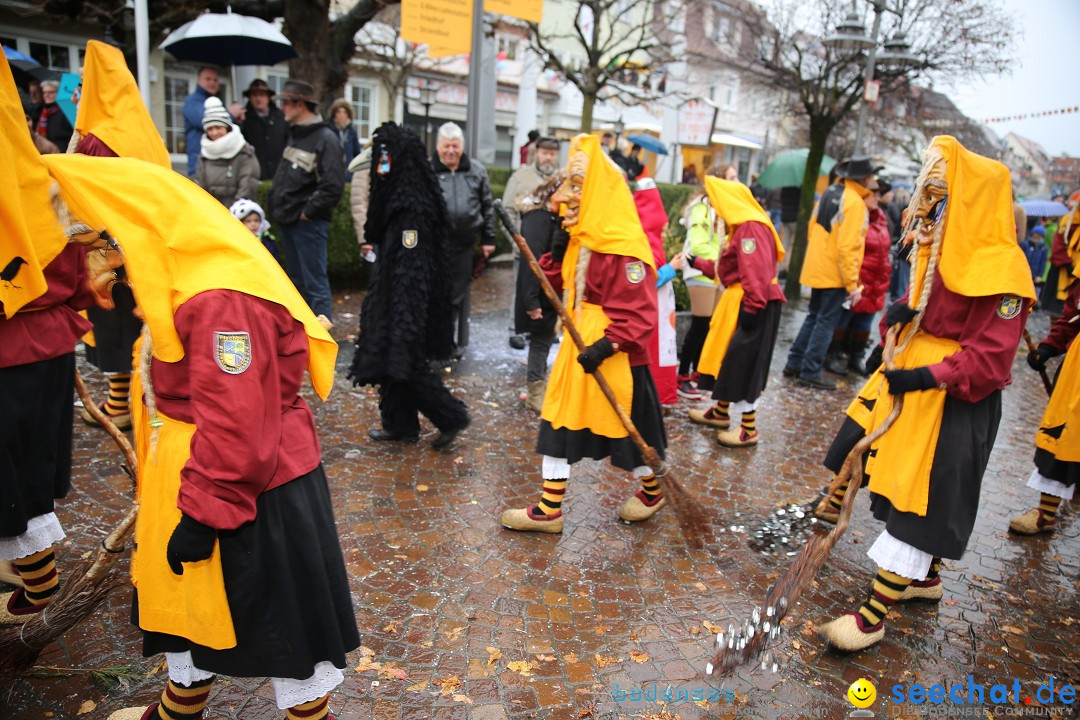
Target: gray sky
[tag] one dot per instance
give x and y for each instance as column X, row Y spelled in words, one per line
column 1044, row 77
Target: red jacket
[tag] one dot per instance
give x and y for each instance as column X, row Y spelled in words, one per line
column 876, row 267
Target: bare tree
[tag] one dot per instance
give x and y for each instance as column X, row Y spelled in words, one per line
column 610, row 49
column 325, row 44
column 952, row 39
column 381, row 47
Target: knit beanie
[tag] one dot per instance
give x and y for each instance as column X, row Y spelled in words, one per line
column 214, row 113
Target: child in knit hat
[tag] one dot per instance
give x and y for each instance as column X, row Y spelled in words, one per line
column 252, row 215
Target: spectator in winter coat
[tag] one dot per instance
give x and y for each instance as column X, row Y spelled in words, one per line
column 465, row 186
column 341, row 115
column 1034, row 247
column 852, row 334
column 49, row 121
column 307, row 186
column 264, row 127
column 227, row 167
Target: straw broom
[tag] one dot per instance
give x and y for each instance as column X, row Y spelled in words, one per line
column 77, row 599
column 695, row 523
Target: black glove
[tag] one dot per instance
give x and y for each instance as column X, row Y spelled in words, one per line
column 748, row 321
column 559, row 240
column 899, row 312
column 191, row 541
column 874, row 361
column 689, row 258
column 595, row 354
column 905, row 381
column 1037, row 360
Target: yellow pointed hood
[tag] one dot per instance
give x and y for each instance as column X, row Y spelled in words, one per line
column 608, row 221
column 30, row 236
column 979, row 252
column 112, row 109
column 734, row 202
column 178, row 242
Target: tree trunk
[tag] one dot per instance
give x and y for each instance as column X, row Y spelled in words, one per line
column 587, row 103
column 307, row 25
column 819, row 135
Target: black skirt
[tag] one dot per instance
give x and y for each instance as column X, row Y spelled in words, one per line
column 573, row 445
column 287, row 589
column 115, row 332
column 745, row 369
column 1067, row 473
column 967, row 435
column 35, row 439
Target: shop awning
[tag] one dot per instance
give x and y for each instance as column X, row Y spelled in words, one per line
column 735, row 141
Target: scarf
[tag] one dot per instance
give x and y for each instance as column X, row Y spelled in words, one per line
column 43, row 122
column 225, row 147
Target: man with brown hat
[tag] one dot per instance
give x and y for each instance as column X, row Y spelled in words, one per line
column 308, row 183
column 264, row 127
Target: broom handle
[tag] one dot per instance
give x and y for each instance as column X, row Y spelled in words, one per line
column 1033, row 348
column 652, row 459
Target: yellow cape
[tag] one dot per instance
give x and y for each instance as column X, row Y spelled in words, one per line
column 178, row 242
column 112, row 109
column 734, row 202
column 28, row 227
column 979, row 253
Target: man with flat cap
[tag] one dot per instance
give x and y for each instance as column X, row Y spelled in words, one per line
column 308, row 183
column 264, row 127
column 834, row 255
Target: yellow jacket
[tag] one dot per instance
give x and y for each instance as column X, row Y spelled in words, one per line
column 834, row 256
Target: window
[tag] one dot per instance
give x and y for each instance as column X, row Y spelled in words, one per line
column 509, row 46
column 54, row 57
column 177, row 88
column 722, row 28
column 676, row 12
column 7, row 42
column 362, row 99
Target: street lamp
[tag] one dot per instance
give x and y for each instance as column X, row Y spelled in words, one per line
column 849, row 36
column 429, row 91
column 619, row 126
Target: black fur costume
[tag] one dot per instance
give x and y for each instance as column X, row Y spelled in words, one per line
column 405, row 320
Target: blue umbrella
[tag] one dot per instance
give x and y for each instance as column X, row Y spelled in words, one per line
column 648, row 142
column 13, row 54
column 1044, row 208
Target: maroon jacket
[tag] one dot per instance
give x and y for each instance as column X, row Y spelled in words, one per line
column 50, row 325
column 750, row 260
column 1066, row 327
column 876, row 267
column 254, row 431
column 631, row 306
column 988, row 340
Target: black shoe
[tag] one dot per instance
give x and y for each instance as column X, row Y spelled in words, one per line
column 517, row 342
column 817, row 381
column 790, row 371
column 447, row 436
column 384, row 434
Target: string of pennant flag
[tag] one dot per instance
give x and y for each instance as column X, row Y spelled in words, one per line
column 1027, row 116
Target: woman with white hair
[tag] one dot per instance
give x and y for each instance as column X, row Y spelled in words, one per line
column 49, row 121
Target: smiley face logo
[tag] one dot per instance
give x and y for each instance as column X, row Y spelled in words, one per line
column 862, row 693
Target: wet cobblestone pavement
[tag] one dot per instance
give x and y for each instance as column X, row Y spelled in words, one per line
column 463, row 620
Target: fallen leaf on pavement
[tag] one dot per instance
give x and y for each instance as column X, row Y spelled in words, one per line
column 392, row 671
column 459, row 459
column 449, row 684
column 458, row 697
column 86, row 707
column 367, row 660
column 711, row 627
column 521, row 667
column 545, row 658
column 422, row 488
column 570, row 658
column 601, row 629
column 418, row 686
column 700, row 586
column 1014, row 630
column 455, row 633
column 605, row 660
column 493, row 655
column 638, row 656
column 392, row 627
